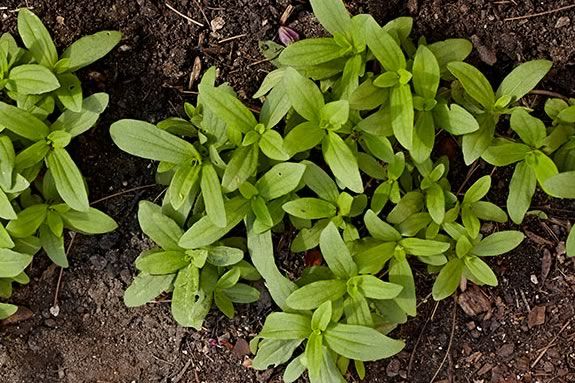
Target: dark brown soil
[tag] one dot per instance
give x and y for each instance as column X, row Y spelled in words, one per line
column 96, row 339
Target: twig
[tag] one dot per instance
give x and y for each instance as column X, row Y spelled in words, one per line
column 453, row 320
column 232, row 38
column 258, row 62
column 202, row 11
column 55, row 308
column 184, row 16
column 543, row 92
column 180, row 375
column 474, row 167
column 412, row 357
column 540, row 13
column 550, row 343
column 122, row 193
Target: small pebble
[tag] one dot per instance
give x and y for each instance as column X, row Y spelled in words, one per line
column 563, row 21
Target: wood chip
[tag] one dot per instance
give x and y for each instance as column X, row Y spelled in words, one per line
column 545, row 265
column 21, row 315
column 473, row 301
column 241, row 348
column 536, row 316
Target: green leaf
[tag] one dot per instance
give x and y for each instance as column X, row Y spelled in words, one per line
column 89, row 49
column 274, row 352
column 29, row 220
column 320, row 182
column 322, row 316
column 7, row 310
column 261, row 211
column 31, row 79
column 531, row 130
column 342, row 162
column 336, row 253
column 276, row 106
column 372, row 258
column 374, row 288
column 474, row 83
column 92, row 221
column 435, row 202
column 478, row 190
column 380, row 229
column 13, row 263
column 227, row 107
column 314, row 355
column 401, row 104
column 68, row 179
column 409, row 204
column 425, row 73
column 384, row 47
column 145, row 140
column 313, row 295
column 561, row 185
column 204, row 232
column 70, row 92
column 523, row 78
column 400, row 274
column 521, row 191
column 183, row 183
column 504, row 152
column 77, row 123
column 294, row 370
column 22, row 123
column 161, row 262
column 475, row 144
column 454, row 119
column 450, row 50
column 311, row 52
column 310, row 208
column 261, row 249
column 304, row 95
column 304, row 136
column 448, row 279
column 361, row 343
column 280, row 180
column 498, row 243
column 242, row 165
column 570, row 244
column 423, row 247
column 160, row 228
column 36, row 38
column 488, row 211
column 480, row 270
column 145, row 288
column 272, row 145
column 332, row 15
column 423, row 137
column 186, row 293
column 6, row 209
column 367, row 96
column 242, row 293
column 286, row 326
column 212, row 195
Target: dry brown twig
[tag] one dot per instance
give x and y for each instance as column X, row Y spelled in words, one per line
column 541, row 13
column 184, row 16
column 447, row 353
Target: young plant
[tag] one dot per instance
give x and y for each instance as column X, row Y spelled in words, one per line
column 474, row 92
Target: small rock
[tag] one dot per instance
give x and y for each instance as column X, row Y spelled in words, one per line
column 536, row 316
column 506, row 350
column 241, row 348
column 217, row 23
column 563, row 21
column 98, row 262
column 50, row 323
column 486, row 54
column 473, row 301
column 393, row 368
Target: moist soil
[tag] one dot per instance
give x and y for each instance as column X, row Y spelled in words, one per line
column 521, row 331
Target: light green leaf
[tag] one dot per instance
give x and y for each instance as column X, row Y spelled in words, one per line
column 204, row 232
column 435, row 202
column 280, row 180
column 488, row 211
column 498, row 243
column 7, row 310
column 22, row 123
column 448, row 279
column 286, row 326
column 272, row 145
column 504, row 152
column 454, row 119
column 160, row 228
column 425, row 73
column 36, row 38
column 161, row 262
column 478, row 190
column 29, row 220
column 476, row 143
column 310, row 208
column 241, row 166
column 31, row 79
column 183, row 183
column 401, row 104
column 212, row 195
column 380, row 229
column 227, row 107
column 523, row 78
column 89, row 49
column 68, row 179
column 531, row 130
column 374, row 288
column 336, row 253
column 70, row 92
column 304, row 95
column 145, row 288
column 184, row 297
column 274, row 352
column 474, row 83
column 561, row 185
column 423, row 137
column 311, row 52
column 361, row 343
column 320, row 182
column 313, row 295
column 332, row 15
column 92, row 221
column 77, row 123
column 304, row 136
column 450, row 50
column 521, row 191
column 13, row 263
column 384, row 47
column 342, row 162
column 480, row 270
column 145, row 140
